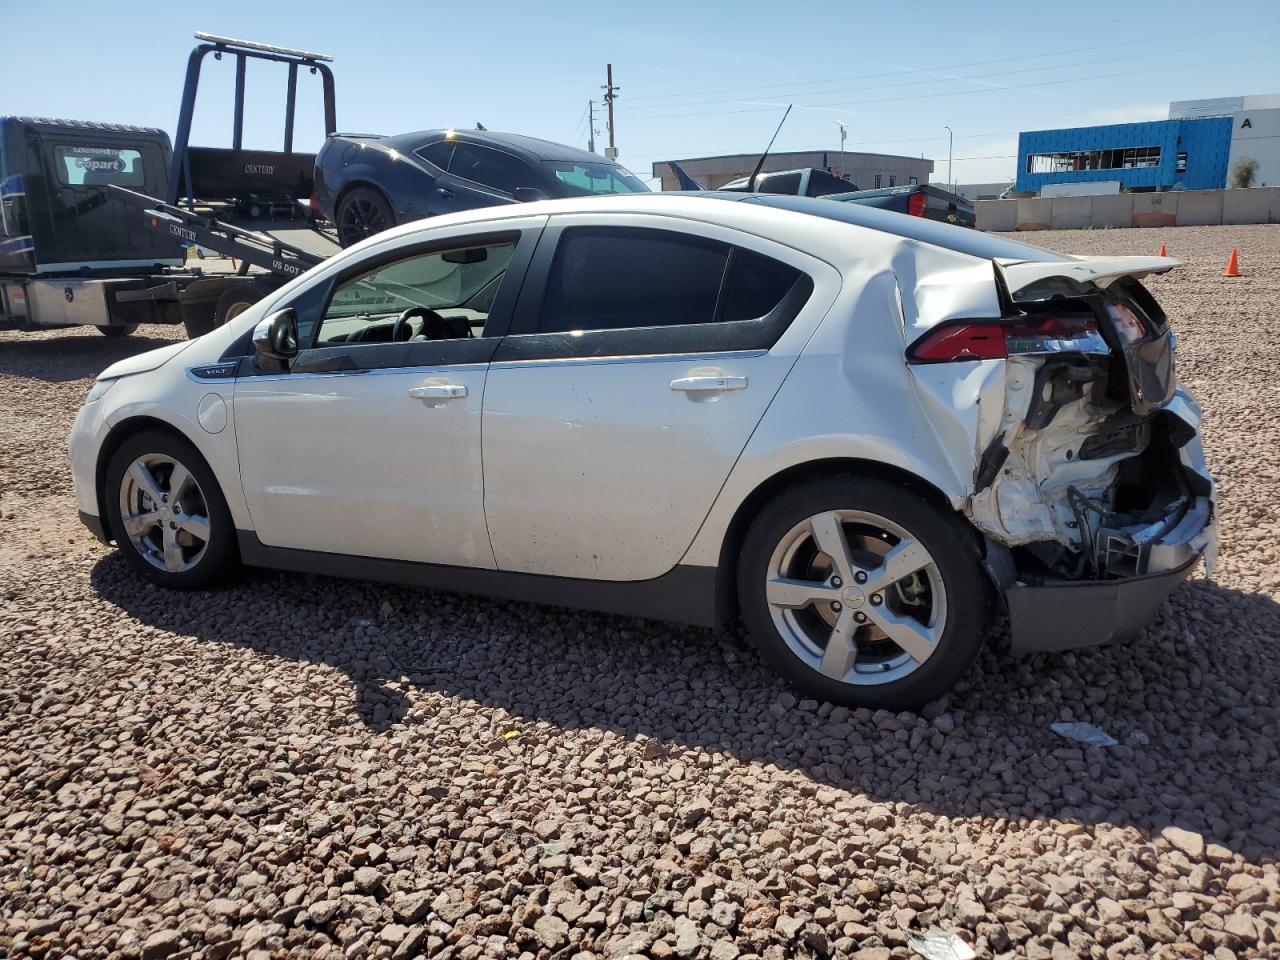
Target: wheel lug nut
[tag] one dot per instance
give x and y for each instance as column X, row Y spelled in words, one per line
column 876, row 599
column 860, row 577
column 837, row 582
column 837, row 606
column 173, row 526
column 860, row 617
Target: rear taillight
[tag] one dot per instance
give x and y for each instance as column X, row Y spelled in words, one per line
column 916, row 204
column 995, row 341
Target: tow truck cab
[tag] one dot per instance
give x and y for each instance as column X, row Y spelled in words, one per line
column 69, row 252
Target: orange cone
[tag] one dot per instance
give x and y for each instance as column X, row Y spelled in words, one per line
column 1233, row 264
column 1162, row 253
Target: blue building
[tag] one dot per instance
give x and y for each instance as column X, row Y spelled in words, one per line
column 1190, row 154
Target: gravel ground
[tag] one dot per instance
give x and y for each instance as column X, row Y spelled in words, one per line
column 294, row 766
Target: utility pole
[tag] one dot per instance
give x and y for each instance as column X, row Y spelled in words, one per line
column 844, row 132
column 591, row 126
column 950, row 137
column 610, row 94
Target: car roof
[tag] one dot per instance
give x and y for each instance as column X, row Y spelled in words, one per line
column 966, row 240
column 773, row 216
column 531, row 147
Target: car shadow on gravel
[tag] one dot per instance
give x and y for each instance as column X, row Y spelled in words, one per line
column 1192, row 702
column 74, row 357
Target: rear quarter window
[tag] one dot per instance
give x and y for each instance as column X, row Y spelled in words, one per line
column 79, row 165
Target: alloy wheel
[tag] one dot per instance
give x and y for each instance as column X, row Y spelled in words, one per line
column 164, row 513
column 360, row 218
column 856, row 597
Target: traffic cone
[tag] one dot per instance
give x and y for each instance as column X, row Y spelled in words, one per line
column 1162, row 253
column 1233, row 264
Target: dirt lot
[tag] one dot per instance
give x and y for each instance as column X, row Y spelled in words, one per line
column 298, row 766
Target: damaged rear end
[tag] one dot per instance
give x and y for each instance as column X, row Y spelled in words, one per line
column 1090, row 485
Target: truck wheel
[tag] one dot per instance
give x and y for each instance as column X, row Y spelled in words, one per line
column 122, row 330
column 238, row 298
column 361, row 213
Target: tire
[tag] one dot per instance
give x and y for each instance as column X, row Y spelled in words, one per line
column 200, row 317
column 939, row 610
column 362, row 212
column 147, row 549
column 121, row 330
column 237, row 298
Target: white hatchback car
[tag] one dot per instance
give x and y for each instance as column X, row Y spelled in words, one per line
column 864, row 432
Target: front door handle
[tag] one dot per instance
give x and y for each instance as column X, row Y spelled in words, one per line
column 709, row 384
column 438, row 391
column 445, row 192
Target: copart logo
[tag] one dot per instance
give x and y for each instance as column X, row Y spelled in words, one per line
column 100, row 164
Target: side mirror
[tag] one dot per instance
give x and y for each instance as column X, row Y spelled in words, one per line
column 276, row 337
column 530, row 194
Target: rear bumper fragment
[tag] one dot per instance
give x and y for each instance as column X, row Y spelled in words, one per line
column 1067, row 614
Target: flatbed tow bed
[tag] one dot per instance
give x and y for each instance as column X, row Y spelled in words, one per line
column 73, row 252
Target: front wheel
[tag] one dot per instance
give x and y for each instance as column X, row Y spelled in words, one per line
column 165, row 510
column 863, row 593
column 119, row 330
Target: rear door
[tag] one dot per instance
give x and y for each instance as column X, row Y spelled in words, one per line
column 644, row 352
column 480, row 176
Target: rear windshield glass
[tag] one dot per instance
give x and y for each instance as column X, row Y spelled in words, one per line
column 960, row 239
column 87, row 166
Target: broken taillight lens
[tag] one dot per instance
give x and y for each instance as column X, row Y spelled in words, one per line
column 916, row 204
column 996, row 341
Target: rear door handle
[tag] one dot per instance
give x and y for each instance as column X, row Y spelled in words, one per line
column 704, row 384
column 438, row 391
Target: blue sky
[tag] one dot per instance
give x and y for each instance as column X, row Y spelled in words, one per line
column 696, row 79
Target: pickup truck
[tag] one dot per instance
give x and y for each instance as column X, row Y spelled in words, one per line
column 805, row 182
column 917, row 200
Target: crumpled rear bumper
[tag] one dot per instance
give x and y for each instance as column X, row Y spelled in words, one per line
column 1067, row 614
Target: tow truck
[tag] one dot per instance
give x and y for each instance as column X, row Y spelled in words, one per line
column 73, row 252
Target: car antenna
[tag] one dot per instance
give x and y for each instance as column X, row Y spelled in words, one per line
column 751, row 182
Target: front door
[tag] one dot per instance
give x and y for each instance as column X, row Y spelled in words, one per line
column 644, row 352
column 370, row 444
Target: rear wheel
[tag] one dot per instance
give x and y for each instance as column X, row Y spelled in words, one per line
column 165, row 510
column 863, row 593
column 238, row 298
column 120, row 330
column 361, row 213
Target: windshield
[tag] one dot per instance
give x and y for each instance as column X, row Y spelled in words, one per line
column 590, row 179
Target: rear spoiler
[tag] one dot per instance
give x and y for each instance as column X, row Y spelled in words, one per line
column 1079, row 272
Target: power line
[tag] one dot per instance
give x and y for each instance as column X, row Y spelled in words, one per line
column 960, row 93
column 915, row 83
column 910, row 70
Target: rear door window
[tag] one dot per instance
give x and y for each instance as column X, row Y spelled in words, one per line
column 493, row 168
column 79, row 165
column 612, row 278
column 617, row 278
column 438, row 153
